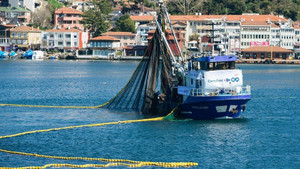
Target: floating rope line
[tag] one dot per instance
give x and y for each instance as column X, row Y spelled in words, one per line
column 112, row 162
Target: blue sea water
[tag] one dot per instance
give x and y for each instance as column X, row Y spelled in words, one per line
column 267, row 136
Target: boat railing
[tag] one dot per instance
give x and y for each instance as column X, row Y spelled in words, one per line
column 222, row 92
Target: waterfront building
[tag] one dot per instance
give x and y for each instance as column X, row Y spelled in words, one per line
column 65, row 38
column 66, row 16
column 24, row 37
column 255, row 33
column 104, row 47
column 226, row 29
column 137, row 50
column 266, row 52
column 126, row 38
column 14, row 15
column 297, row 41
column 287, row 36
column 5, row 37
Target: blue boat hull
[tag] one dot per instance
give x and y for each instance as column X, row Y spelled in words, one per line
column 211, row 107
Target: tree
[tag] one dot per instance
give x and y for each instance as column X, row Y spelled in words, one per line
column 194, row 37
column 43, row 21
column 125, row 24
column 185, row 7
column 95, row 19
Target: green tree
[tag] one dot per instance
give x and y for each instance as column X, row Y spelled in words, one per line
column 194, row 37
column 95, row 19
column 125, row 24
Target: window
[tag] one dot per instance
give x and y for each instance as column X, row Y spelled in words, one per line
column 13, row 34
column 75, row 36
column 51, row 35
column 19, row 42
column 19, row 35
column 60, row 43
column 13, row 41
column 24, row 35
column 262, row 56
column 75, row 43
column 254, row 55
column 60, row 35
column 68, row 35
column 68, row 43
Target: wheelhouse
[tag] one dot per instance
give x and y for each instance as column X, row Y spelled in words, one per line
column 213, row 63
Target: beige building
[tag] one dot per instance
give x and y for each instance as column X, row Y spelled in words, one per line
column 126, row 38
column 25, row 37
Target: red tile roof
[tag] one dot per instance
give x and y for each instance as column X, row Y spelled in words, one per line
column 119, row 34
column 68, row 10
column 65, row 29
column 259, row 23
column 105, row 38
column 266, row 49
column 25, row 29
column 142, row 18
column 272, row 18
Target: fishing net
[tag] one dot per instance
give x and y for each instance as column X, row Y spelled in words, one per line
column 149, row 88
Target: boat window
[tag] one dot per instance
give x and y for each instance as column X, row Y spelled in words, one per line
column 192, row 81
column 203, row 65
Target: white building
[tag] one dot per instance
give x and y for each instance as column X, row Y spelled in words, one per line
column 142, row 33
column 65, row 38
column 255, row 33
column 104, row 47
column 29, row 4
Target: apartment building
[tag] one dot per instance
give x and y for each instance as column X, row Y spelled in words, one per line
column 65, row 38
column 28, row 4
column 14, row 16
column 235, row 32
column 142, row 33
column 66, row 16
column 255, row 33
column 25, row 37
column 126, row 38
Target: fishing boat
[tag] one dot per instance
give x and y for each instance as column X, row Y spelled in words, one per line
column 213, row 88
column 208, row 86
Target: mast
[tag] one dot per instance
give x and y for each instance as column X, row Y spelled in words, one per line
column 171, row 27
